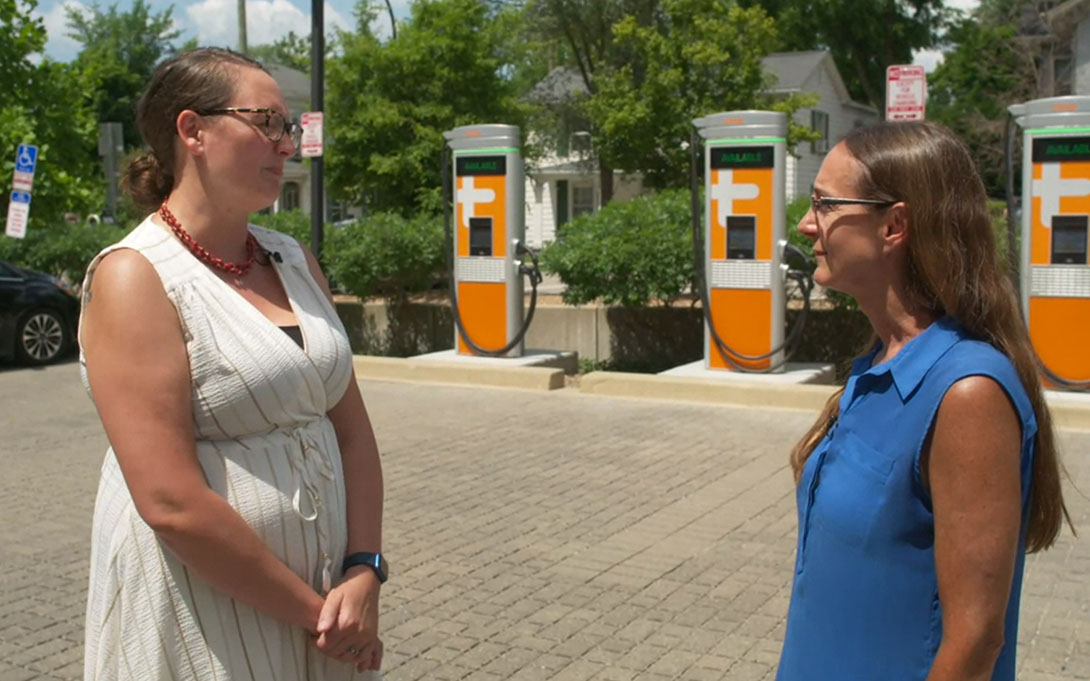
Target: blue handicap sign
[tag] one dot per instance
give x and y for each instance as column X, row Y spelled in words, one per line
column 20, row 197
column 26, row 157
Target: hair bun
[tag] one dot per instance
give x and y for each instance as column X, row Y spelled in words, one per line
column 145, row 180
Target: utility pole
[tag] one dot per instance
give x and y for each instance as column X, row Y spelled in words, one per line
column 242, row 27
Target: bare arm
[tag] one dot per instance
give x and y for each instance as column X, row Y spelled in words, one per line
column 350, row 616
column 139, row 375
column 973, row 469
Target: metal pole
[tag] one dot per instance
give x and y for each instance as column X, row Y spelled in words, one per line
column 317, row 89
column 242, row 47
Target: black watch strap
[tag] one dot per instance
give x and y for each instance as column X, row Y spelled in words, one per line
column 375, row 561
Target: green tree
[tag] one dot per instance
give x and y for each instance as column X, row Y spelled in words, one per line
column 291, row 50
column 701, row 56
column 119, row 50
column 45, row 104
column 389, row 103
column 587, row 29
column 864, row 36
column 970, row 90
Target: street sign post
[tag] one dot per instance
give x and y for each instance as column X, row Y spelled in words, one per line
column 18, row 210
column 26, row 159
column 906, row 93
column 311, row 144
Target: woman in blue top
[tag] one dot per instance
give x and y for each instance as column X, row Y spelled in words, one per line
column 929, row 476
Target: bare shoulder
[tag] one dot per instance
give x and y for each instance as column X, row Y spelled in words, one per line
column 125, row 272
column 976, row 398
column 126, row 303
column 976, row 426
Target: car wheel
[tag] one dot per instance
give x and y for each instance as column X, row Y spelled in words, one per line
column 40, row 337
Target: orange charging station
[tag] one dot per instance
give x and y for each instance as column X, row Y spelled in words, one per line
column 744, row 177
column 1054, row 268
column 489, row 225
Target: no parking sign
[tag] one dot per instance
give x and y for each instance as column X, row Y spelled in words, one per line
column 18, row 211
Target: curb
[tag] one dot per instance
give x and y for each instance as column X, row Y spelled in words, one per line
column 1070, row 411
column 746, row 394
column 376, row 368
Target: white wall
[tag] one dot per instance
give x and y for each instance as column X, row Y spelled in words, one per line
column 540, row 217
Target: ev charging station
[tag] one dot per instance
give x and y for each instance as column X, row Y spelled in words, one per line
column 739, row 249
column 744, row 223
column 1055, row 264
column 487, row 244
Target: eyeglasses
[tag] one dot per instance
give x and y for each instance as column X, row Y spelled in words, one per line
column 274, row 127
column 821, row 204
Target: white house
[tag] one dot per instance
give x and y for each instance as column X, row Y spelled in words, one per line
column 566, row 184
column 295, row 193
column 835, row 114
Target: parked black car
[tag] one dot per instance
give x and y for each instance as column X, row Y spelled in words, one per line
column 38, row 315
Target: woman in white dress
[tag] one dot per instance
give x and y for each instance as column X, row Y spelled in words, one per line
column 238, row 526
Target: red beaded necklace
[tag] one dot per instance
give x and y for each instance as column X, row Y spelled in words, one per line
column 202, row 253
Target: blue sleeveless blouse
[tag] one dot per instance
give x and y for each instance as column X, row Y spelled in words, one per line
column 865, row 599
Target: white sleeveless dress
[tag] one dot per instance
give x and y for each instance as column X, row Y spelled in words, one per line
column 266, row 445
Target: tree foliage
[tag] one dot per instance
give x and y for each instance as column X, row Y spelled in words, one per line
column 970, row 90
column 630, row 253
column 119, row 51
column 389, row 255
column 44, row 104
column 864, row 36
column 389, row 103
column 699, row 57
column 63, row 250
column 291, row 50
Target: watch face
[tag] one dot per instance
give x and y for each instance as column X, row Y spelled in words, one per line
column 382, row 567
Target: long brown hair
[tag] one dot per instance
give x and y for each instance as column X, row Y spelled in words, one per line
column 199, row 80
column 954, row 269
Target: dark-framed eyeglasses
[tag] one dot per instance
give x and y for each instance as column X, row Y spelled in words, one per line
column 821, row 204
column 275, row 125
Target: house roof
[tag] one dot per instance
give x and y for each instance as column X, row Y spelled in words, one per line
column 295, row 85
column 792, row 69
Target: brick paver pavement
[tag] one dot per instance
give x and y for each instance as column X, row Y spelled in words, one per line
column 531, row 536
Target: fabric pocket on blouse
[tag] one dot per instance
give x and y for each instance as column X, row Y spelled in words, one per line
column 851, row 490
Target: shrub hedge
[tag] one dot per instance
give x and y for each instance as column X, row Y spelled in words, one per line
column 630, row 253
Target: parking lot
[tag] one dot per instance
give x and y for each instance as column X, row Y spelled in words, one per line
column 531, row 535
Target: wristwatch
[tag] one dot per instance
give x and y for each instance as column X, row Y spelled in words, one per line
column 375, row 561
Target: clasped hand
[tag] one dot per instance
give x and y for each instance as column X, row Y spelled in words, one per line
column 348, row 624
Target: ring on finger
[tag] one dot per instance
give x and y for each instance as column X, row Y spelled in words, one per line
column 354, row 651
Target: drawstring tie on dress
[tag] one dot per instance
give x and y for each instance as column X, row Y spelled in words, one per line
column 311, row 464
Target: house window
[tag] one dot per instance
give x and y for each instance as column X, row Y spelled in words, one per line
column 289, row 196
column 819, row 121
column 582, row 200
column 580, row 144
